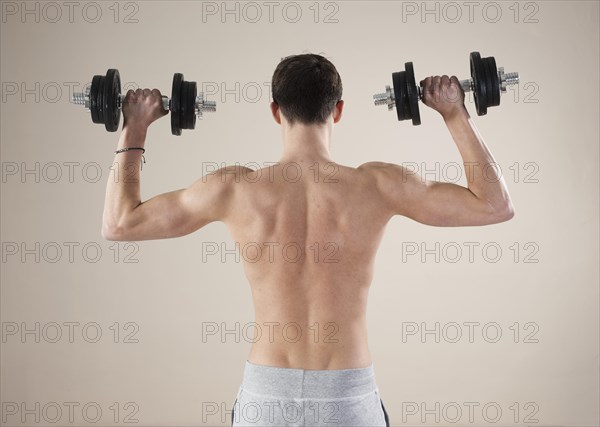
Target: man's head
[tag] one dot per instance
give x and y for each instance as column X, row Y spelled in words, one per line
column 306, row 89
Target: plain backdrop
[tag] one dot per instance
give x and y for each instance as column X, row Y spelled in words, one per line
column 494, row 325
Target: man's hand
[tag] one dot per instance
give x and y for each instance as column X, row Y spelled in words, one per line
column 142, row 107
column 444, row 94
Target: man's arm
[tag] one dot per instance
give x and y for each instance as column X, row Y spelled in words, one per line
column 172, row 214
column 484, row 201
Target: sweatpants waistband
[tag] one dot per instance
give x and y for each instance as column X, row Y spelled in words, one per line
column 302, row 383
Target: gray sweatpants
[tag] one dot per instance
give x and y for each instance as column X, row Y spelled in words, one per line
column 273, row 396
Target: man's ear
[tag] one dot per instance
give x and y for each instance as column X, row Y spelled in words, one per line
column 337, row 113
column 276, row 112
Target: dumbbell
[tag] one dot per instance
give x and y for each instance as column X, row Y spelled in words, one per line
column 487, row 83
column 104, row 100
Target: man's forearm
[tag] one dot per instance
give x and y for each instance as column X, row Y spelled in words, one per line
column 483, row 174
column 123, row 188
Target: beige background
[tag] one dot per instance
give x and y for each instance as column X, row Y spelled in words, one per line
column 547, row 131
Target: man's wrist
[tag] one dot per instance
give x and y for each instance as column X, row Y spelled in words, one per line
column 459, row 115
column 133, row 136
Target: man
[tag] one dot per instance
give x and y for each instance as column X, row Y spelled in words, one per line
column 315, row 227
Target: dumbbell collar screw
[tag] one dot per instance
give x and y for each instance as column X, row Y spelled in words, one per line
column 507, row 79
column 203, row 106
column 82, row 98
column 386, row 98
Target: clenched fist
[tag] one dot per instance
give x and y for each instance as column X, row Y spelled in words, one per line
column 444, row 94
column 142, row 107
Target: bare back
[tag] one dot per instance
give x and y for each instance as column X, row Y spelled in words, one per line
column 308, row 234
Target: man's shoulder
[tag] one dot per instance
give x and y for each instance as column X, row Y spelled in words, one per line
column 228, row 174
column 385, row 173
column 378, row 168
column 374, row 165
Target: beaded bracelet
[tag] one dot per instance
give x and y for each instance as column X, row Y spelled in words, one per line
column 122, row 150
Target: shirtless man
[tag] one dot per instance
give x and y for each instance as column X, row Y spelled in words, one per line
column 316, row 226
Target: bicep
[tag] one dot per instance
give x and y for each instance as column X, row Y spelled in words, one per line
column 431, row 202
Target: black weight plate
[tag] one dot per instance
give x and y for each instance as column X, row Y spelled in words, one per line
column 191, row 105
column 478, row 75
column 488, row 82
column 401, row 95
column 185, row 105
column 182, row 105
column 94, row 107
column 176, row 104
column 413, row 95
column 493, row 73
column 100, row 100
column 112, row 90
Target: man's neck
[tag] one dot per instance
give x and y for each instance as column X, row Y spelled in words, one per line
column 306, row 143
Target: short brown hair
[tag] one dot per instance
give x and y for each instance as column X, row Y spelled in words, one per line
column 307, row 88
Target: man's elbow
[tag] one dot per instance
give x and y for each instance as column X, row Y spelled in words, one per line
column 112, row 233
column 504, row 214
column 510, row 212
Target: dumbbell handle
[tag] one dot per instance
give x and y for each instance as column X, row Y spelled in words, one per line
column 83, row 98
column 166, row 102
column 467, row 84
